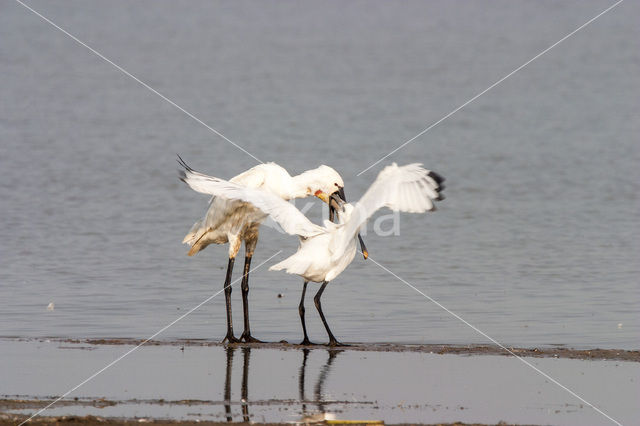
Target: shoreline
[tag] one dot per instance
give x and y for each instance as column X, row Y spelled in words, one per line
column 441, row 349
column 109, row 421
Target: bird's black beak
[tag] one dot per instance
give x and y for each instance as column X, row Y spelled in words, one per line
column 363, row 248
column 336, row 201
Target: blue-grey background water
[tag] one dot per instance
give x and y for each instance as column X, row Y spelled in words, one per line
column 536, row 244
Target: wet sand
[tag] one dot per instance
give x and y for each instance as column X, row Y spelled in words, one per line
column 543, row 352
column 90, row 420
column 192, row 381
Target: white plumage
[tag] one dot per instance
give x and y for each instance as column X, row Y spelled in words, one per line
column 326, row 251
column 322, row 250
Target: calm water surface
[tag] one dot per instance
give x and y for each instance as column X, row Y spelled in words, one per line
column 538, row 240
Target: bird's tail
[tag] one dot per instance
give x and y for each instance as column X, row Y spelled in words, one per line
column 293, row 265
column 192, row 238
column 193, row 234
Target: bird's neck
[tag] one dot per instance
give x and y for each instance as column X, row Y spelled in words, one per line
column 302, row 184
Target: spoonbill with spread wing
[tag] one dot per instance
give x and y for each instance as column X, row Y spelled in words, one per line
column 326, row 251
column 233, row 221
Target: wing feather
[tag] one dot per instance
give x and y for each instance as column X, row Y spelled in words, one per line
column 409, row 188
column 285, row 214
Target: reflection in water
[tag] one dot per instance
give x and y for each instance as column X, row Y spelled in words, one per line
column 324, row 372
column 301, row 379
column 313, row 415
column 227, row 383
column 320, row 414
column 246, row 353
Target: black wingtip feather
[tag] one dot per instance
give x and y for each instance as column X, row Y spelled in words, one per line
column 182, row 175
column 183, row 164
column 433, row 175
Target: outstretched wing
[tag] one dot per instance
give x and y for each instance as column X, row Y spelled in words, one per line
column 409, row 188
column 288, row 217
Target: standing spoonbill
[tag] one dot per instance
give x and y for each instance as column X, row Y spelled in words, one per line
column 234, row 221
column 326, row 251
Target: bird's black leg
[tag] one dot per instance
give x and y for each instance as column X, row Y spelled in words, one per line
column 246, row 335
column 316, row 300
column 301, row 312
column 227, row 296
column 250, row 243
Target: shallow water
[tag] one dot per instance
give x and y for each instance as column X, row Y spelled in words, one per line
column 274, row 385
column 536, row 244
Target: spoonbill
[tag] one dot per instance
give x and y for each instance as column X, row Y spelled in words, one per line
column 233, row 221
column 325, row 251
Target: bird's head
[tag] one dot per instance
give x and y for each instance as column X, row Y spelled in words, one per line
column 325, row 181
column 327, row 184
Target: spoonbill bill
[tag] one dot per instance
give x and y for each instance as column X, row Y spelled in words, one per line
column 233, row 221
column 326, row 251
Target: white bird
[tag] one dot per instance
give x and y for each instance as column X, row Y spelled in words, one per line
column 234, row 221
column 325, row 251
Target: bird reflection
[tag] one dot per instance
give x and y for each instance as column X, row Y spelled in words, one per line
column 301, row 379
column 246, row 353
column 227, row 384
column 308, row 415
column 321, row 413
column 244, row 391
